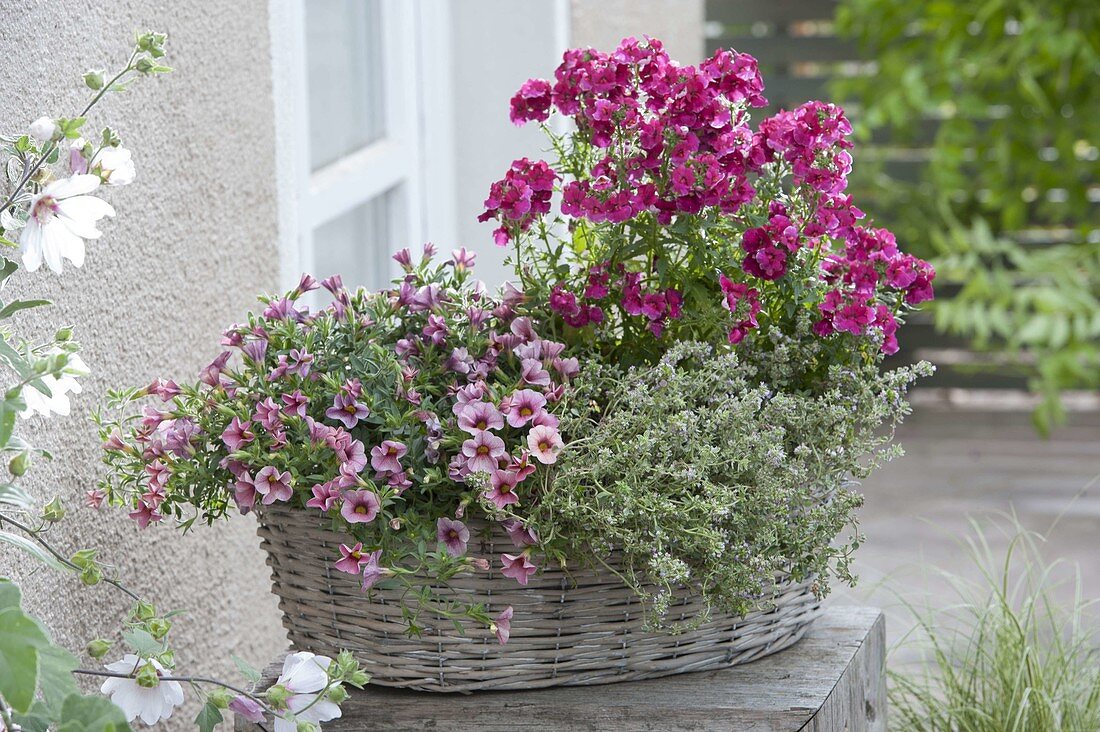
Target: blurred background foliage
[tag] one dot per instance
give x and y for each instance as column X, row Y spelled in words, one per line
column 998, row 101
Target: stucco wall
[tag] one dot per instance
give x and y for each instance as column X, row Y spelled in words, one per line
column 193, row 242
column 678, row 23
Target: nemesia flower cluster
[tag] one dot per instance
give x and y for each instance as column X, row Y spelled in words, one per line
column 687, row 220
column 414, row 416
column 402, row 414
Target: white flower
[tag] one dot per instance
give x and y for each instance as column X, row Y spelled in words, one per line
column 62, row 216
column 59, row 386
column 153, row 704
column 43, row 129
column 304, row 676
column 114, row 165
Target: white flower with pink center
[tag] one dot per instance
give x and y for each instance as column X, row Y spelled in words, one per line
column 61, row 217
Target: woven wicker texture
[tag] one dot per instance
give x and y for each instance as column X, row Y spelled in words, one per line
column 584, row 627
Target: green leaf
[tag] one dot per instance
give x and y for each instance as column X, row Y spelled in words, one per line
column 55, row 677
column 7, row 269
column 13, row 495
column 91, row 714
column 21, row 542
column 142, row 642
column 21, row 638
column 9, row 410
column 15, row 306
column 209, row 717
column 247, row 670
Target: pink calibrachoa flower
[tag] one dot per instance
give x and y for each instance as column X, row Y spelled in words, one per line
column 523, row 406
column 479, row 416
column 351, row 559
column 372, row 572
column 244, row 492
column 534, row 373
column 347, row 410
column 518, row 567
column 502, row 626
column 386, row 458
column 145, row 514
column 503, row 488
column 325, row 496
column 267, row 413
column 237, row 433
column 520, row 535
column 273, row 485
column 94, row 498
column 360, row 507
column 483, row 453
column 295, row 403
column 452, row 534
column 545, row 443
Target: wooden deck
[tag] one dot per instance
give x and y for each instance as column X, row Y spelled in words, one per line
column 962, row 464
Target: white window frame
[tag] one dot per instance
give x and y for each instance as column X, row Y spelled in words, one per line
column 415, row 151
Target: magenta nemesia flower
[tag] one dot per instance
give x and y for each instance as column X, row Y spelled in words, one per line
column 483, row 453
column 523, row 406
column 346, row 409
column 386, row 458
column 502, row 626
column 360, row 507
column 452, row 534
column 518, row 567
column 273, row 485
column 545, row 443
column 477, row 417
column 351, row 559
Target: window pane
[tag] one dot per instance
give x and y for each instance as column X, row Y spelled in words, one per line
column 344, row 59
column 358, row 244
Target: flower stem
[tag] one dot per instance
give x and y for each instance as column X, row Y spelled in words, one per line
column 53, row 145
column 35, row 535
column 181, row 679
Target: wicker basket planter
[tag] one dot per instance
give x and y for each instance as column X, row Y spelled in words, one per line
column 584, row 627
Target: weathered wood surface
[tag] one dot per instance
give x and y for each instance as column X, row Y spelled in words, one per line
column 831, row 681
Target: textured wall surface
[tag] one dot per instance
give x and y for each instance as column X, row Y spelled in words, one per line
column 678, row 23
column 193, row 241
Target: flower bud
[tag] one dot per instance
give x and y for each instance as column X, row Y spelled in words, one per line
column 480, row 563
column 53, row 511
column 43, row 129
column 19, row 464
column 63, row 335
column 158, row 628
column 144, row 611
column 91, row 575
column 147, row 677
column 98, row 648
column 220, row 698
column 93, row 79
column 83, row 558
column 306, row 727
column 358, row 678
column 276, row 696
column 337, row 694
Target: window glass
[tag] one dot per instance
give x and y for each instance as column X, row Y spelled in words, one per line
column 357, row 244
column 345, row 77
